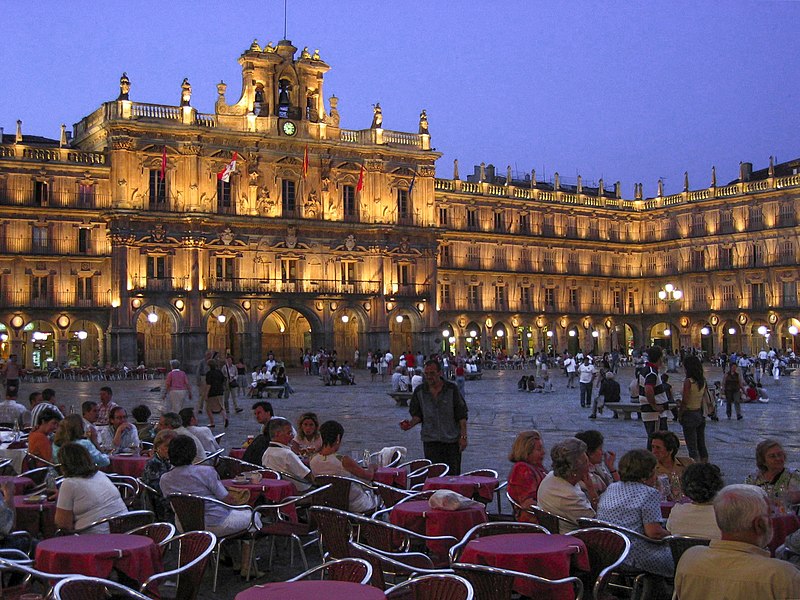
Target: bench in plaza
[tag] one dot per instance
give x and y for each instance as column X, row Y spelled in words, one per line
column 401, row 398
column 474, row 376
column 627, row 409
column 271, row 391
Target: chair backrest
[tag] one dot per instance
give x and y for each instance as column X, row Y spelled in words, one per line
column 37, row 475
column 334, row 529
column 415, row 464
column 131, row 520
column 498, row 584
column 393, row 564
column 678, row 544
column 607, row 549
column 160, row 533
column 483, row 473
column 494, row 528
column 190, row 511
column 354, row 570
column 629, row 533
column 389, row 494
column 194, row 550
column 433, row 587
column 228, row 467
column 22, row 567
column 80, row 587
column 550, row 521
column 338, row 495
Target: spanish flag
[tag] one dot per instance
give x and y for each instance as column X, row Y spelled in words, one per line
column 360, row 184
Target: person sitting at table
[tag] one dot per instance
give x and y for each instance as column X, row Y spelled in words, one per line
column 262, row 411
column 308, row 441
column 71, row 430
column 155, row 468
column 601, row 464
column 635, row 503
column 119, row 435
column 559, row 492
column 89, row 412
column 203, row 434
column 12, row 412
column 664, row 446
column 781, row 483
column 701, row 482
column 39, row 439
column 201, row 480
column 173, row 421
column 327, row 462
column 527, row 454
column 736, row 567
column 141, row 418
column 280, row 457
column 86, row 495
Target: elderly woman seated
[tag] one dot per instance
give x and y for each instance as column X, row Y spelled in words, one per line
column 71, row 430
column 528, row 471
column 327, row 462
column 155, row 469
column 781, row 483
column 701, row 482
column 200, row 480
column 665, row 446
column 560, row 492
column 86, row 495
column 635, row 503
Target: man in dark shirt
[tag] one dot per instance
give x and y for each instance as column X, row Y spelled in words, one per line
column 262, row 411
column 609, row 390
column 441, row 409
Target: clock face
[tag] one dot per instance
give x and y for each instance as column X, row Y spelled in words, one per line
column 289, row 128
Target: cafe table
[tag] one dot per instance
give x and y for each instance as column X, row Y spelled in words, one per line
column 237, row 453
column 266, row 490
column 471, row 486
column 391, row 476
column 303, row 590
column 21, row 484
column 128, row 464
column 550, row 556
column 418, row 516
column 96, row 555
column 36, row 515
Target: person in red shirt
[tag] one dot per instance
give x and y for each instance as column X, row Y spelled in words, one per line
column 528, row 471
column 39, row 443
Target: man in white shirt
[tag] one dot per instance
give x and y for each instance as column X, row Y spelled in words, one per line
column 203, row 434
column 416, row 379
column 12, row 411
column 173, row 421
column 119, row 435
column 89, row 412
column 586, row 372
column 397, row 380
column 569, row 367
column 280, row 457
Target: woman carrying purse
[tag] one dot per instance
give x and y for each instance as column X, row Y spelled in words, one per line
column 691, row 414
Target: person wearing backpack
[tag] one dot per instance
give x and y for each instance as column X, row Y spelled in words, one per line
column 652, row 394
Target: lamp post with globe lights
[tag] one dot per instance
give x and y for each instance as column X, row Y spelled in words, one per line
column 669, row 294
column 793, row 331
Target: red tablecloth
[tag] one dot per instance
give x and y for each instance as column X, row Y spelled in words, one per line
column 267, row 490
column 128, row 465
column 782, row 526
column 37, row 518
column 418, row 516
column 550, row 556
column 391, row 476
column 236, row 453
column 471, row 486
column 96, row 555
column 303, row 590
column 20, row 483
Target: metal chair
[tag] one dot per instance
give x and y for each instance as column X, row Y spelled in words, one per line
column 550, row 521
column 117, row 524
column 7, row 468
column 22, row 565
column 338, row 495
column 334, row 530
column 433, row 587
column 209, row 459
column 482, row 473
column 79, row 587
column 414, row 465
column 417, row 479
column 194, row 548
column 228, row 467
column 37, row 475
column 494, row 528
column 393, row 564
column 160, row 533
column 493, row 583
column 389, row 494
column 354, row 570
column 190, row 513
column 678, row 544
column 607, row 549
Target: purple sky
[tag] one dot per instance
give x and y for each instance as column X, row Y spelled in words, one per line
column 624, row 91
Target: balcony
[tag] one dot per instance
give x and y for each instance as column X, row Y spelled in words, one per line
column 54, row 299
column 27, row 196
column 411, row 290
column 158, row 284
column 10, row 244
column 253, row 285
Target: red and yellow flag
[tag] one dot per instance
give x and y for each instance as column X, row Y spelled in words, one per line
column 360, row 184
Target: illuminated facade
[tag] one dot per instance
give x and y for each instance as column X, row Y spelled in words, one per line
column 120, row 244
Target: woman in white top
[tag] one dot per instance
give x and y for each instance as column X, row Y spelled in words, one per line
column 701, row 482
column 86, row 494
column 327, row 462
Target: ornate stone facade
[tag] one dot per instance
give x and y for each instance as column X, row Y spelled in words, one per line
column 122, row 245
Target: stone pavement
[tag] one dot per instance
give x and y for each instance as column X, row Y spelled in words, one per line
column 497, row 412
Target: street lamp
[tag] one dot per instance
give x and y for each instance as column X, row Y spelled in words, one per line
column 669, row 294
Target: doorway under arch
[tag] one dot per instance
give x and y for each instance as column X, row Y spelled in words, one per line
column 401, row 334
column 154, row 330
column 223, row 333
column 347, row 329
column 473, row 337
column 40, row 340
column 573, row 340
column 664, row 335
column 448, row 334
column 286, row 333
column 83, row 344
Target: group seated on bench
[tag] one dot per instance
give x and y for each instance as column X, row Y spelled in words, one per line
column 343, row 374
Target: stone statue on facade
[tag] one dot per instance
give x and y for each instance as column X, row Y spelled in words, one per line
column 377, row 116
column 333, row 118
column 423, row 122
column 186, row 92
column 311, row 206
column 124, row 87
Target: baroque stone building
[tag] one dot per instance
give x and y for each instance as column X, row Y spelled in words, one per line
column 120, row 243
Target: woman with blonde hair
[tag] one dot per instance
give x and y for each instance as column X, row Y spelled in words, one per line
column 527, row 454
column 70, row 429
column 308, row 441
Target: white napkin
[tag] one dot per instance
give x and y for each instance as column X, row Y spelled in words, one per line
column 386, row 454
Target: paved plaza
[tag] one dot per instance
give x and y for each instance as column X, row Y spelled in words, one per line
column 497, row 412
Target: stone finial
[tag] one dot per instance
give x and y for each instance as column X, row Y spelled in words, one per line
column 377, row 116
column 533, row 178
column 305, row 53
column 18, row 137
column 455, row 169
column 686, row 181
column 660, row 186
column 600, row 187
column 62, row 140
column 254, row 47
column 124, row 87
column 222, row 87
column 772, row 166
column 713, row 176
column 423, row 122
column 617, row 189
column 483, row 172
column 580, row 185
column 186, row 92
column 315, row 56
column 556, row 181
column 269, row 48
column 508, row 175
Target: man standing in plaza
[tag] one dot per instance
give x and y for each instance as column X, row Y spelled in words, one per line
column 11, row 376
column 569, row 367
column 586, row 372
column 441, row 409
column 652, row 394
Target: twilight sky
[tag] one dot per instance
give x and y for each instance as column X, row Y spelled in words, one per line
column 623, row 91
